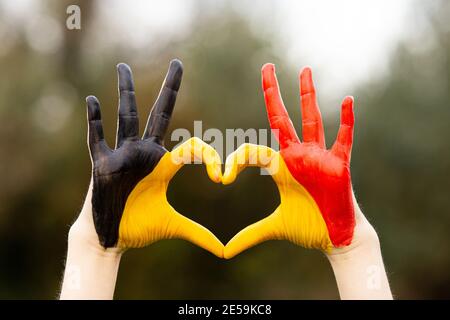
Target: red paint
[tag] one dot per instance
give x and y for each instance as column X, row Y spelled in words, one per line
column 324, row 173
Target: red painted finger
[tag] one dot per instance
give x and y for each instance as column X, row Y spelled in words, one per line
column 312, row 126
column 343, row 145
column 276, row 112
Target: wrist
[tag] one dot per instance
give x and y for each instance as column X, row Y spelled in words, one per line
column 83, row 234
column 364, row 239
column 358, row 250
column 359, row 267
column 81, row 239
column 91, row 270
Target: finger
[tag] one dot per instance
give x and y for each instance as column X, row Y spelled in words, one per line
column 343, row 145
column 266, row 229
column 191, row 151
column 159, row 118
column 181, row 227
column 279, row 119
column 96, row 140
column 312, row 126
column 244, row 156
column 128, row 127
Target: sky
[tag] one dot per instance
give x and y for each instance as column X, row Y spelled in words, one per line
column 345, row 42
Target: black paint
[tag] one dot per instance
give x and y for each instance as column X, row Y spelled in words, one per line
column 116, row 172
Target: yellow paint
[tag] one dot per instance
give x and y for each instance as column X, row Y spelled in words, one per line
column 297, row 218
column 148, row 216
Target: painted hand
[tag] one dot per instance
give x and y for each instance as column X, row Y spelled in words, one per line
column 317, row 204
column 129, row 203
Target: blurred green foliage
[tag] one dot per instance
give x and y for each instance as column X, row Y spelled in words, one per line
column 400, row 164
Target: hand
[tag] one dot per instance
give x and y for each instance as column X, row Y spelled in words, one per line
column 317, row 207
column 129, row 183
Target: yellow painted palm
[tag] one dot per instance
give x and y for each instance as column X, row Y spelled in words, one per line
column 149, row 217
column 296, row 219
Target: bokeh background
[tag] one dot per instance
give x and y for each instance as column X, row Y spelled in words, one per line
column 393, row 56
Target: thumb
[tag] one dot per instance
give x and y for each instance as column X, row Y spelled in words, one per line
column 180, row 227
column 266, row 229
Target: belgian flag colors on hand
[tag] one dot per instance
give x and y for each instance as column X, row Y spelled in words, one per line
column 129, row 203
column 316, row 209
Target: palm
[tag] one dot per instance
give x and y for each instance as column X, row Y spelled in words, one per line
column 311, row 160
column 297, row 218
column 325, row 174
column 116, row 172
column 316, row 207
column 133, row 159
column 148, row 216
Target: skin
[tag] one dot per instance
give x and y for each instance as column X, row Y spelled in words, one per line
column 129, row 183
column 307, row 170
column 126, row 205
column 97, row 240
column 318, row 208
column 116, row 172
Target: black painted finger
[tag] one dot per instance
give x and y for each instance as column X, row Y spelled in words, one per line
column 96, row 140
column 128, row 126
column 159, row 118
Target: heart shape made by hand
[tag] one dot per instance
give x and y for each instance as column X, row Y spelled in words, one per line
column 317, row 202
column 316, row 208
column 148, row 217
column 297, row 218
